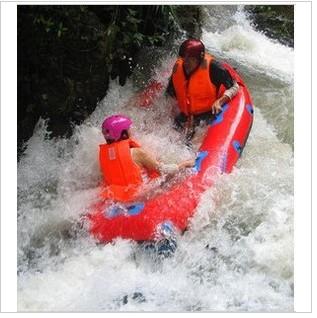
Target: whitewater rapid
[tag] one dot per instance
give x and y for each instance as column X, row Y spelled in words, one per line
column 237, row 254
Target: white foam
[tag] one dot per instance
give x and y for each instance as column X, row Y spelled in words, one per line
column 240, row 42
column 236, row 256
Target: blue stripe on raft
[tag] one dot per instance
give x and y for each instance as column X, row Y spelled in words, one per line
column 167, row 229
column 249, row 108
column 200, row 157
column 219, row 117
column 116, row 210
column 237, row 146
column 135, row 208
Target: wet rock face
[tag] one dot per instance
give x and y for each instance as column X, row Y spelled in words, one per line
column 61, row 68
column 276, row 21
column 68, row 54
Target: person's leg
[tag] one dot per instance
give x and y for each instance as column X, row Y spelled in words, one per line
column 206, row 117
column 200, row 126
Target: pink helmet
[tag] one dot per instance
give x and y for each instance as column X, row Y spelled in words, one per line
column 113, row 126
column 192, row 48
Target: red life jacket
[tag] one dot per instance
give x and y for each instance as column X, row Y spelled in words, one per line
column 121, row 174
column 196, row 94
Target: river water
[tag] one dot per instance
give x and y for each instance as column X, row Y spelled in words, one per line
column 238, row 252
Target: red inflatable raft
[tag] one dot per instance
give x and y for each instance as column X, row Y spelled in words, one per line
column 171, row 211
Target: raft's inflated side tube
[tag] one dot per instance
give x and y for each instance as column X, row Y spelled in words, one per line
column 221, row 148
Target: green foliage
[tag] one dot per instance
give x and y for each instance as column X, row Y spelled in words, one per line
column 68, row 53
column 276, row 21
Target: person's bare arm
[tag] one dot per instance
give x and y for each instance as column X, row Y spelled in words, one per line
column 146, row 160
column 225, row 98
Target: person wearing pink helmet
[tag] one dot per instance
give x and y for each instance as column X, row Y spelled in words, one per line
column 200, row 84
column 123, row 160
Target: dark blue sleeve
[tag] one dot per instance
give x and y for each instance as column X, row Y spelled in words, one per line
column 170, row 90
column 219, row 75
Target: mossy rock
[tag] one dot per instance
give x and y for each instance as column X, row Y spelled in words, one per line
column 276, row 21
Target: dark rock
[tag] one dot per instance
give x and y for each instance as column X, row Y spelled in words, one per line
column 67, row 55
column 276, row 21
column 136, row 297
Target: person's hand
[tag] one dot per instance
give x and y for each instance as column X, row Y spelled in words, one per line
column 187, row 164
column 216, row 107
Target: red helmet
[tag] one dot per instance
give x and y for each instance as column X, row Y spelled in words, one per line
column 192, row 48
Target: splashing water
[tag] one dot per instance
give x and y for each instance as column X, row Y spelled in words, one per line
column 237, row 254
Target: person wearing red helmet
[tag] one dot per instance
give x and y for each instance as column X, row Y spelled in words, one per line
column 200, row 84
column 122, row 160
